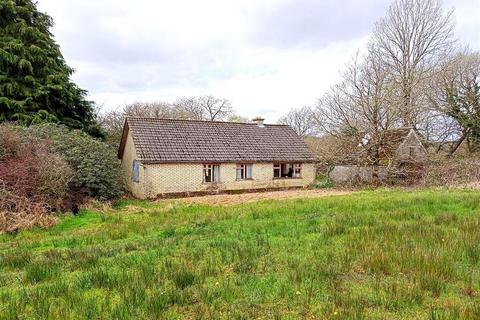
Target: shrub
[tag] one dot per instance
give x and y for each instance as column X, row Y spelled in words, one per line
column 33, row 181
column 20, row 212
column 96, row 167
column 29, row 168
column 455, row 171
column 323, row 182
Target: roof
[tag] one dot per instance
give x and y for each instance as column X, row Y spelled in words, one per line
column 391, row 141
column 187, row 141
column 393, row 138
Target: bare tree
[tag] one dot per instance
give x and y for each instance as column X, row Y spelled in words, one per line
column 361, row 102
column 206, row 107
column 194, row 108
column 237, row 118
column 301, row 120
column 359, row 108
column 191, row 106
column 410, row 41
column 112, row 121
column 158, row 109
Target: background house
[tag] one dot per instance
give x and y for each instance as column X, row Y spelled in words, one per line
column 398, row 150
column 165, row 156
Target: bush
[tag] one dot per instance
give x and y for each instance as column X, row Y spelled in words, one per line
column 96, row 167
column 20, row 212
column 442, row 171
column 29, row 168
column 33, row 181
column 323, row 182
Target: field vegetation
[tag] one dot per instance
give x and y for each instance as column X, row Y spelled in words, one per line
column 369, row 255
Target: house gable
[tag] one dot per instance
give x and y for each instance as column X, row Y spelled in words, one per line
column 411, row 149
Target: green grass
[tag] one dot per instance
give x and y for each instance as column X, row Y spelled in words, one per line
column 372, row 255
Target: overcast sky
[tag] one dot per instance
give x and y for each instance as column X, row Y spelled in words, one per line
column 266, row 56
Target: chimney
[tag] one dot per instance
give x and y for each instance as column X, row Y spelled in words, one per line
column 259, row 121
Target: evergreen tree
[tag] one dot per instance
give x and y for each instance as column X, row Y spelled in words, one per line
column 35, row 83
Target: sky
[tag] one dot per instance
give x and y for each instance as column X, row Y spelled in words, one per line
column 265, row 56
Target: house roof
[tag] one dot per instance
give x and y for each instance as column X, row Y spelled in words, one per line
column 359, row 145
column 187, row 141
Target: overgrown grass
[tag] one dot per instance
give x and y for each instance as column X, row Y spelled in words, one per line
column 373, row 255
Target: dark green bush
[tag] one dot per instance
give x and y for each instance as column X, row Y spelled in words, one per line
column 96, row 167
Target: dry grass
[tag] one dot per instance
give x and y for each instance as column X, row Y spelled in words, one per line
column 232, row 199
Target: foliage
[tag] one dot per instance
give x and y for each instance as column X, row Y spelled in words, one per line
column 453, row 171
column 462, row 95
column 96, row 167
column 33, row 181
column 20, row 212
column 206, row 107
column 371, row 255
column 30, row 168
column 323, row 182
column 35, row 83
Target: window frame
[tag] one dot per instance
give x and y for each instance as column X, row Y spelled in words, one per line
column 411, row 151
column 214, row 169
column 299, row 167
column 282, row 169
column 277, row 167
column 136, row 171
column 246, row 171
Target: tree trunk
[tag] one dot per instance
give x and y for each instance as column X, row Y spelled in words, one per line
column 459, row 142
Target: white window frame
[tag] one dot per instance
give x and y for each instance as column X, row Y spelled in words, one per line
column 211, row 170
column 281, row 170
column 297, row 170
column 243, row 171
column 277, row 167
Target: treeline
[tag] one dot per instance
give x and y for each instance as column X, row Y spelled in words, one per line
column 56, row 149
column 192, row 108
column 412, row 73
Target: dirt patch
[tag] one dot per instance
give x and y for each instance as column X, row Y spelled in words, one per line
column 231, row 199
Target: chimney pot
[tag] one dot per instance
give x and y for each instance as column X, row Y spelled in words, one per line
column 259, row 121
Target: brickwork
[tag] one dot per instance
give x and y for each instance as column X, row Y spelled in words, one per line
column 172, row 178
column 129, row 154
column 158, row 179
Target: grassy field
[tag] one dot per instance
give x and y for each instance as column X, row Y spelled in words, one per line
column 372, row 255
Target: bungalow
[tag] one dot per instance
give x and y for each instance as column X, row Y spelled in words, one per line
column 165, row 156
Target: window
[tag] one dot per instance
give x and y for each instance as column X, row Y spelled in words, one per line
column 297, row 170
column 244, row 171
column 136, row 171
column 211, row 173
column 277, row 170
column 287, row 170
column 411, row 152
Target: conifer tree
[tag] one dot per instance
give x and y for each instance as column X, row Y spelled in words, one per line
column 35, row 84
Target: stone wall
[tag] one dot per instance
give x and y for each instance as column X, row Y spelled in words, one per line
column 411, row 150
column 348, row 173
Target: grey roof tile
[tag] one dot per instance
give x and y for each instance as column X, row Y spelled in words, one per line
column 169, row 140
